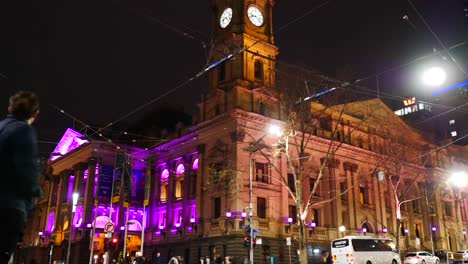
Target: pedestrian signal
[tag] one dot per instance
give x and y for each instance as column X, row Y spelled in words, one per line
column 246, row 241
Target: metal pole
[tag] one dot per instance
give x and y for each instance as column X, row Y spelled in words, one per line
column 70, row 238
column 143, row 230
column 75, row 196
column 429, row 222
column 125, row 237
column 91, row 239
column 251, row 204
column 289, row 254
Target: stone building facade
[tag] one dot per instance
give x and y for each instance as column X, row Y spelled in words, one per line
column 189, row 196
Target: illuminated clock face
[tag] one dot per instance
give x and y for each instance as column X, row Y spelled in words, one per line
column 225, row 18
column 255, row 16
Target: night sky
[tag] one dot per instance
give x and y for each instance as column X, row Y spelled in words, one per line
column 100, row 60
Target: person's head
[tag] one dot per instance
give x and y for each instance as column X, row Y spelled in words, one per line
column 24, row 105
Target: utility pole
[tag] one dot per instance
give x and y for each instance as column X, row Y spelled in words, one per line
column 251, row 203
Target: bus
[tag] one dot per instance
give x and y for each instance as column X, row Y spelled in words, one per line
column 364, row 250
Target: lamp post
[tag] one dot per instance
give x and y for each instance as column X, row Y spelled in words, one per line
column 251, row 202
column 74, row 203
column 252, row 149
column 458, row 180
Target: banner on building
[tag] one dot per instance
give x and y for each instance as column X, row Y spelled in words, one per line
column 127, row 184
column 118, row 171
column 147, row 181
column 104, row 188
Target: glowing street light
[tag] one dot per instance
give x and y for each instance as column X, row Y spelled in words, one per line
column 434, row 76
column 342, row 229
column 458, row 179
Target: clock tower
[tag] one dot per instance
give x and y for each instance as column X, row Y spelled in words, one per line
column 243, row 28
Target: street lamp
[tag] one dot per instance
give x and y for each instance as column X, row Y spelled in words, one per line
column 342, row 229
column 74, row 203
column 458, row 179
column 434, row 76
column 252, row 149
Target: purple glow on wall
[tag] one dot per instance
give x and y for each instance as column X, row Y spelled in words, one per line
column 79, row 222
column 104, row 211
column 195, row 164
column 178, row 215
column 50, row 222
column 71, row 182
column 180, row 169
column 78, row 218
column 134, row 226
column 165, row 174
column 101, row 221
column 69, row 141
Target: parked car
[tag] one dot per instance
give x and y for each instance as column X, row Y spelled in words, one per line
column 420, row 257
column 460, row 256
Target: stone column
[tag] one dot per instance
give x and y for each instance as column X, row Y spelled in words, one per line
column 88, row 199
column 439, row 222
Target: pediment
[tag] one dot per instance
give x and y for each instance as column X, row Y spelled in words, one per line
column 69, row 141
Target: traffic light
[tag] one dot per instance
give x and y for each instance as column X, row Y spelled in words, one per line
column 114, row 243
column 106, row 244
column 246, row 241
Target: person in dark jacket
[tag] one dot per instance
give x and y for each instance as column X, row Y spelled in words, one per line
column 20, row 169
column 157, row 258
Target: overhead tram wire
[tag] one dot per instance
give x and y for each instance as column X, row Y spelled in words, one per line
column 209, row 67
column 160, row 143
column 438, row 39
column 182, row 33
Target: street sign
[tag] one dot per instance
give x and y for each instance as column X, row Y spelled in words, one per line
column 109, row 227
column 259, row 241
column 288, row 241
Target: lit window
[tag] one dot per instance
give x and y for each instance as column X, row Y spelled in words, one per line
column 421, row 106
column 453, row 133
column 179, row 186
column 363, row 195
column 452, row 122
column 163, row 191
column 180, row 169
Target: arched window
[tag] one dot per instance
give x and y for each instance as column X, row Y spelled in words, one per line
column 258, row 70
column 164, row 185
column 179, row 184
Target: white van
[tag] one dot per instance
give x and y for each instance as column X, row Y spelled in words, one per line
column 364, row 250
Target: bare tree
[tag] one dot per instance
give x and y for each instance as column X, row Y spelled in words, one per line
column 311, row 129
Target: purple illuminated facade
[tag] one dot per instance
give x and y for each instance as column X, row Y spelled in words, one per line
column 190, row 196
